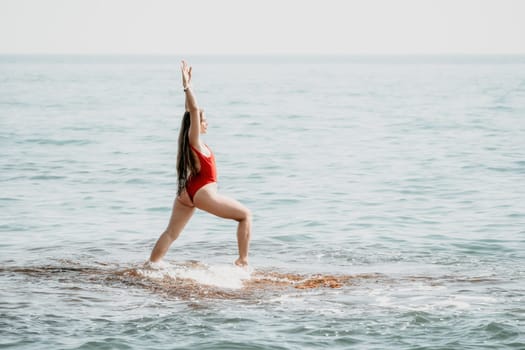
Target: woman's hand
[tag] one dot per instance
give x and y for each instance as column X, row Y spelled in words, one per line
column 186, row 74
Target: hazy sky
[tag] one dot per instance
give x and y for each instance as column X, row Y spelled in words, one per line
column 266, row 26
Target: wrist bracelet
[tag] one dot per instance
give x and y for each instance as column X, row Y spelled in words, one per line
column 186, row 88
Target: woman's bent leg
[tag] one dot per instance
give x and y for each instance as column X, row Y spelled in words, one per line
column 214, row 203
column 180, row 216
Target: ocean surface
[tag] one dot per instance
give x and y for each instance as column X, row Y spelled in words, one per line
column 388, row 195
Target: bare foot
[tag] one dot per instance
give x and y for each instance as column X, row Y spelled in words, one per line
column 155, row 265
column 241, row 262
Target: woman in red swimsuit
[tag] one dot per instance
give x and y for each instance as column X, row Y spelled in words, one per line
column 197, row 182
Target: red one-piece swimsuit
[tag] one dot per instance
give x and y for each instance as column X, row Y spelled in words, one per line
column 207, row 174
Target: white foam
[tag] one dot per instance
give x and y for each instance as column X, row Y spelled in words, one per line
column 403, row 300
column 222, row 276
column 159, row 265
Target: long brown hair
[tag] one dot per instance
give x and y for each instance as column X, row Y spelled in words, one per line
column 185, row 159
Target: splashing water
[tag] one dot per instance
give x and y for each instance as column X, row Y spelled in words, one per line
column 220, row 276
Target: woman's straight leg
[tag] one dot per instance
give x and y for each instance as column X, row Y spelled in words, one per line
column 180, row 216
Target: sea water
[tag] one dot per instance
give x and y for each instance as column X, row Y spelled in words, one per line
column 387, row 193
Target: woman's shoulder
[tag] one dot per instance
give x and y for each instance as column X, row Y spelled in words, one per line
column 203, row 149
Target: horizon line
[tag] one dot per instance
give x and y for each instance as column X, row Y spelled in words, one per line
column 256, row 54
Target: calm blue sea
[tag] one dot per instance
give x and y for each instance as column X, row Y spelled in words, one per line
column 387, row 191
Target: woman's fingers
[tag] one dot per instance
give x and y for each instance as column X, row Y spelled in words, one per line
column 185, row 68
column 186, row 72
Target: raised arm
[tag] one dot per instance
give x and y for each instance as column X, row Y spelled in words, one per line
column 191, row 106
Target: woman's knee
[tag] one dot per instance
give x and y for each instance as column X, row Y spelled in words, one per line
column 246, row 215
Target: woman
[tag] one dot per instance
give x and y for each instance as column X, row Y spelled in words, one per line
column 197, row 182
